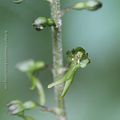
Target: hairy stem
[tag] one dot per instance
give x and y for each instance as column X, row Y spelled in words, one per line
column 57, row 55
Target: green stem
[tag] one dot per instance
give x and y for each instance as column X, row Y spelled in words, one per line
column 36, row 83
column 57, row 55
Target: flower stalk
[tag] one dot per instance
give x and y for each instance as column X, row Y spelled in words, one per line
column 57, row 55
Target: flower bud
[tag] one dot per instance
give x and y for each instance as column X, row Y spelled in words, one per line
column 79, row 6
column 25, row 66
column 50, row 22
column 90, row 5
column 15, row 107
column 30, row 66
column 41, row 22
column 93, row 5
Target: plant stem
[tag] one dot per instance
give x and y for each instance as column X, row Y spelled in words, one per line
column 57, row 55
column 36, row 82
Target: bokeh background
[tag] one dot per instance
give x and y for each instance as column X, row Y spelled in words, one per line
column 95, row 93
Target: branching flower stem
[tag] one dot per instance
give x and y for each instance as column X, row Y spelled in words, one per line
column 57, row 55
column 54, row 111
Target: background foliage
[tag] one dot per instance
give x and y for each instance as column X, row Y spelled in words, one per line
column 95, row 94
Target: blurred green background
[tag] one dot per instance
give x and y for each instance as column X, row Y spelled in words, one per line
column 95, row 93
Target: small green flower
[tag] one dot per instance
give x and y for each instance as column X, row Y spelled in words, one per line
column 30, row 66
column 41, row 22
column 17, row 107
column 78, row 58
column 75, row 52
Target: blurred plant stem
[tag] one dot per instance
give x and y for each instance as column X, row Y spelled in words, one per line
column 57, row 56
column 36, row 83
